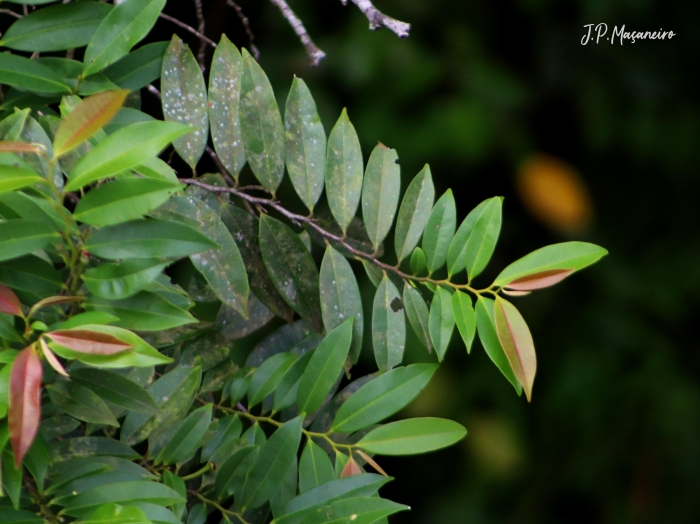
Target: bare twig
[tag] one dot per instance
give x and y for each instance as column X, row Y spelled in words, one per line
column 246, row 24
column 192, row 30
column 10, row 12
column 153, row 91
column 314, row 53
column 201, row 28
column 220, row 166
column 377, row 19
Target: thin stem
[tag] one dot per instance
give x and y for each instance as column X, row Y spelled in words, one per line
column 246, row 25
column 313, row 52
column 223, row 510
column 201, row 29
column 192, row 30
column 197, row 473
column 10, row 12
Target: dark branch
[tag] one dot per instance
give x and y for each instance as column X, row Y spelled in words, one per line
column 202, row 38
column 314, row 53
column 246, row 25
column 201, row 29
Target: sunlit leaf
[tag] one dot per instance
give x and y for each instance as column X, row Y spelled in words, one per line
column 25, row 402
column 115, row 514
column 412, row 436
column 380, row 192
column 358, row 510
column 419, row 264
column 517, row 343
column 414, row 212
column 538, row 280
column 465, row 317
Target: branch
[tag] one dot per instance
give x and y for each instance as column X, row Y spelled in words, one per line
column 200, row 29
column 203, row 39
column 377, row 19
column 10, row 12
column 314, row 53
column 246, row 24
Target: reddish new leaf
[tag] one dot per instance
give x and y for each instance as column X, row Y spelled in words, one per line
column 9, row 303
column 9, row 146
column 51, row 358
column 91, row 342
column 52, row 301
column 25, row 402
column 517, row 343
column 539, row 280
column 86, row 119
column 371, row 462
column 350, row 469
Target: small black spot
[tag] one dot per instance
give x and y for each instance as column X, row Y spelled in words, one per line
column 396, row 304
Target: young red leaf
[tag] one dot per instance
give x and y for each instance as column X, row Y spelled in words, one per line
column 9, row 303
column 371, row 462
column 52, row 301
column 25, row 402
column 350, row 469
column 539, row 280
column 9, row 146
column 86, row 341
column 86, row 119
column 517, row 343
column 51, row 358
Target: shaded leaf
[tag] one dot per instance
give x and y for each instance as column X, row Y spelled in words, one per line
column 315, row 467
column 442, row 321
column 30, row 75
column 122, row 280
column 81, row 403
column 350, row 468
column 115, row 388
column 139, row 68
column 465, row 317
column 144, row 311
column 412, row 436
column 71, row 448
column 517, row 343
column 439, row 231
column 287, row 389
column 267, row 376
column 122, row 493
column 187, row 438
column 419, row 265
column 388, row 327
column 25, row 402
column 20, row 237
column 9, row 303
column 414, row 213
column 228, row 474
column 418, row 315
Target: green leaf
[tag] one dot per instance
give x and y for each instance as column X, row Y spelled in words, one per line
column 388, row 327
column 13, row 516
column 380, row 193
column 184, row 98
column 340, row 297
column 414, row 213
column 343, row 171
column 224, row 106
column 187, row 438
column 11, row 477
column 267, row 376
column 233, row 326
column 146, row 239
column 197, row 515
column 419, row 265
column 288, row 388
column 358, row 510
column 124, row 149
column 476, row 239
column 229, row 429
column 119, row 31
column 30, row 75
column 142, row 312
column 287, row 490
column 37, row 462
column 418, row 315
column 20, row 237
column 115, row 514
column 116, row 389
column 272, row 463
column 230, row 473
column 382, row 397
column 306, row 144
column 81, row 403
column 122, row 493
column 31, row 277
column 56, row 28
column 565, row 256
column 374, row 272
column 122, row 280
column 439, row 231
column 139, row 68
column 412, row 436
column 325, row 366
column 123, row 200
column 261, row 125
column 295, row 274
column 173, row 393
column 71, row 448
column 12, row 178
column 442, row 321
column 465, row 317
column 486, row 327
column 517, row 343
column 156, row 168
column 315, row 467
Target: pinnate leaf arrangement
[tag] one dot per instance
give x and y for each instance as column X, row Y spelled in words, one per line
column 124, row 289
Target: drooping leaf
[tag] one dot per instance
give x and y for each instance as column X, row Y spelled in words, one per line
column 261, row 125
column 124, row 149
column 51, row 358
column 30, row 75
column 439, row 231
column 88, row 117
column 380, row 193
column 358, row 510
column 305, row 144
column 185, row 99
column 295, row 274
column 418, row 315
column 12, row 178
column 315, row 467
column 20, row 237
column 122, row 280
column 465, row 317
column 486, row 327
column 9, row 303
column 119, row 31
column 267, row 376
column 11, row 477
column 344, row 169
column 81, row 403
column 414, row 213
column 25, row 402
column 567, row 255
column 340, row 297
column 382, row 397
column 517, row 343
column 442, row 321
column 87, row 341
column 412, row 436
column 476, row 238
column 187, row 438
column 144, row 311
column 116, row 389
column 388, row 327
column 325, row 366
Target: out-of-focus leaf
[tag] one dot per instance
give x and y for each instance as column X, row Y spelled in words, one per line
column 30, row 276
column 476, row 238
column 261, row 125
column 9, row 303
column 115, row 514
column 20, row 237
column 439, row 231
column 465, row 317
column 51, row 358
column 349, row 469
column 71, row 448
column 188, row 436
column 486, row 327
column 224, row 106
column 380, row 193
column 295, row 274
column 374, row 272
column 119, row 31
column 442, row 321
column 315, row 467
column 414, row 212
column 122, row 280
column 306, row 144
column 185, row 99
column 139, row 68
column 197, row 514
column 126, row 493
column 11, row 477
column 156, row 168
column 144, row 311
column 340, row 297
column 267, row 376
column 358, row 510
column 388, row 327
column 325, row 366
column 28, row 74
column 412, row 436
column 19, row 516
column 517, row 343
column 116, row 389
column 343, row 171
column 81, row 403
column 25, row 402
column 12, row 178
column 418, row 315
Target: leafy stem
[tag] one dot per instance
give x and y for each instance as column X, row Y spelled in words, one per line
column 225, row 512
